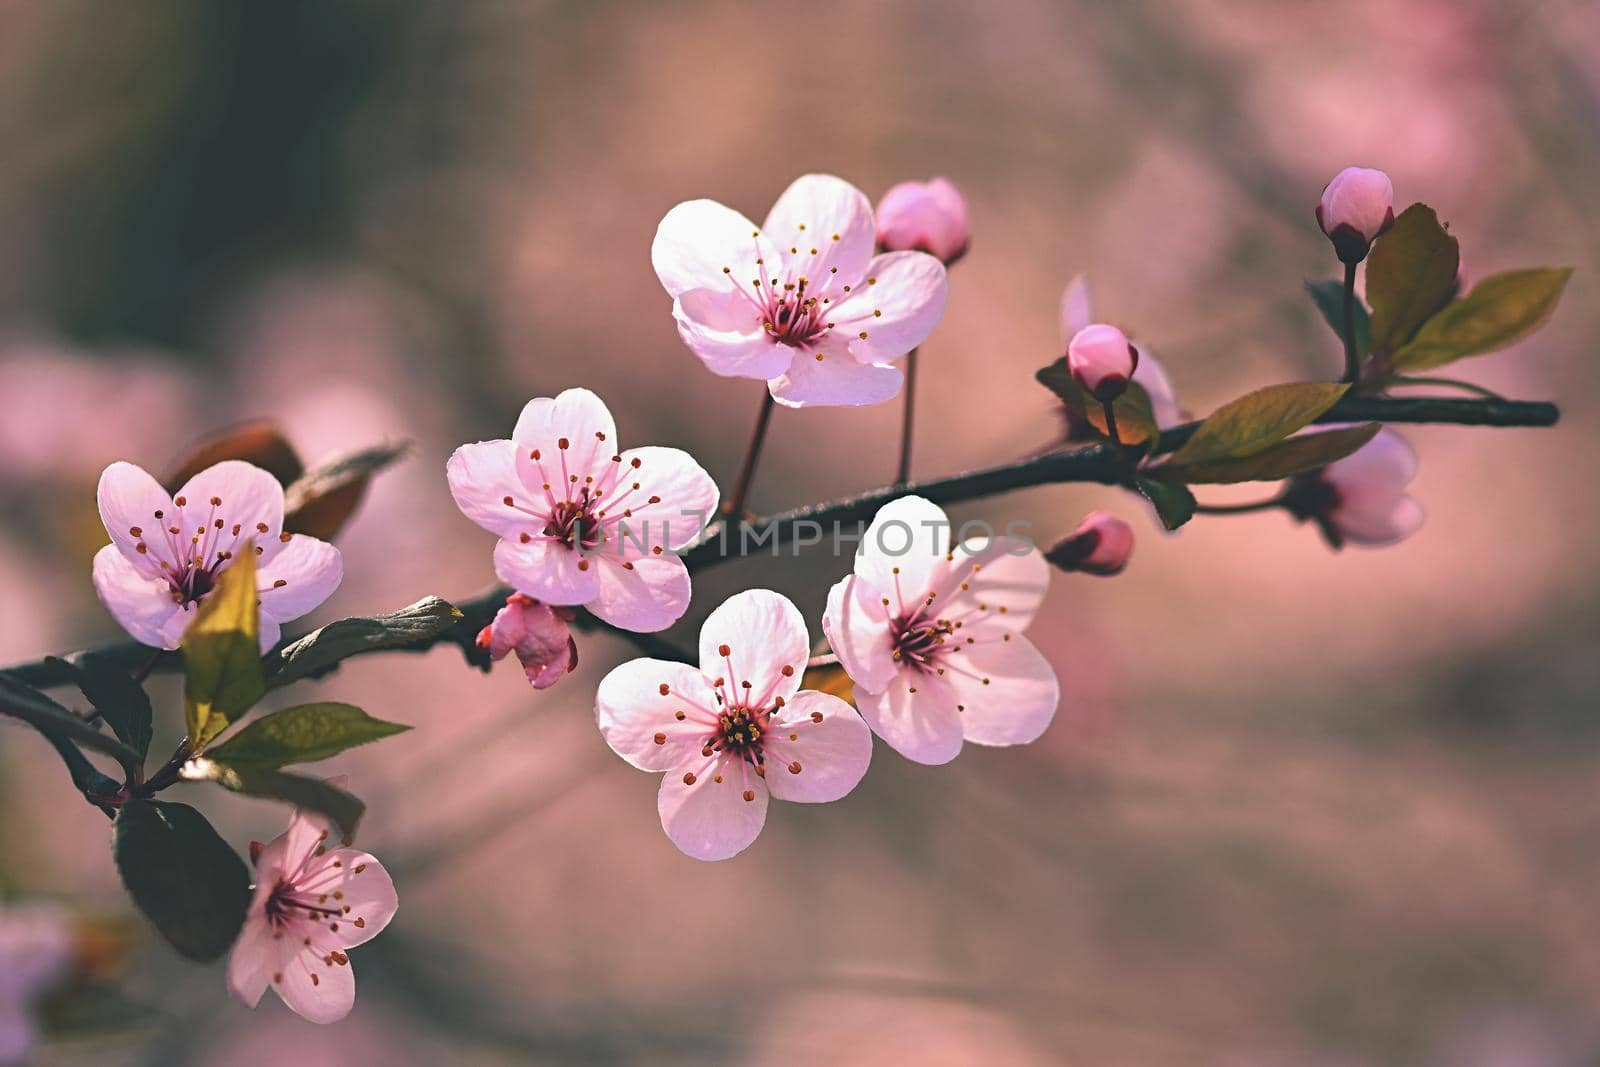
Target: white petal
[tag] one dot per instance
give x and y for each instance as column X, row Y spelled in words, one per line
column 1077, row 308
column 1019, row 699
column 688, row 497
column 1163, row 399
column 1005, row 579
column 310, row 571
column 129, row 499
column 649, row 595
column 834, row 380
column 250, row 498
column 481, row 476
column 916, row 716
column 896, row 306
column 725, row 329
column 575, row 416
column 903, row 552
column 697, row 239
column 710, row 819
column 1377, row 521
column 547, row 571
column 142, row 606
column 632, row 712
column 858, row 632
column 764, row 633
column 832, row 755
column 1387, row 463
column 821, row 223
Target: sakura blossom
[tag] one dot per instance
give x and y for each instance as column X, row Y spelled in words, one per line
column 36, row 949
column 736, row 730
column 1102, row 360
column 801, row 301
column 538, row 634
column 167, row 550
column 312, row 904
column 1077, row 313
column 1356, row 206
column 1362, row 498
column 932, row 636
column 927, row 216
column 581, row 521
column 1100, row 545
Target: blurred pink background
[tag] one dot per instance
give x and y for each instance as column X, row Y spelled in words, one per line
column 1299, row 809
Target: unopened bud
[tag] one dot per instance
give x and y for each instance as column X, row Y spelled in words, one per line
column 1355, row 208
column 1101, row 545
column 924, row 216
column 1102, row 361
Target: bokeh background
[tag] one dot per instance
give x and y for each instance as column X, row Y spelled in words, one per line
column 1298, row 809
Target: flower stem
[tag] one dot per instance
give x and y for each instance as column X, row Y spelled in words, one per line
column 1111, row 422
column 1352, row 359
column 734, row 508
column 903, row 473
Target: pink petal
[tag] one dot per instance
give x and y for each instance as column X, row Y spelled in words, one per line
column 142, row 606
column 547, row 571
column 271, row 631
column 481, row 476
column 1380, row 521
column 697, row 239
column 1163, row 399
column 1005, row 580
column 764, row 633
column 632, row 712
column 916, row 716
column 314, row 988
column 832, row 754
column 897, row 306
column 834, row 380
column 1018, row 701
column 688, row 496
column 858, row 633
column 725, row 329
column 820, row 223
column 1077, row 308
column 293, row 850
column 1387, row 463
column 358, row 885
column 710, row 819
column 651, row 595
column 252, row 961
column 249, row 496
column 902, row 554
column 575, row 416
column 129, row 499
column 310, row 571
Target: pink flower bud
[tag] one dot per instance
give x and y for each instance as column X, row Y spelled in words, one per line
column 1101, row 545
column 538, row 634
column 1355, row 208
column 926, row 217
column 1102, row 360
column 1362, row 498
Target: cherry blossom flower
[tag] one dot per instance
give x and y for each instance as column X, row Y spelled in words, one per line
column 538, row 634
column 582, row 522
column 932, row 636
column 1355, row 208
column 1362, row 498
column 36, row 949
column 312, row 904
column 1102, row 360
column 926, row 216
column 801, row 302
column 1101, row 545
column 735, row 730
column 1077, row 313
column 166, row 551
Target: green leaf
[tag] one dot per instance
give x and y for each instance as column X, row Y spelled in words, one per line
column 1329, row 298
column 1282, row 460
column 121, row 701
column 185, row 878
column 1136, row 420
column 312, row 794
column 321, row 501
column 302, row 734
column 1257, row 421
column 1411, row 274
column 1501, row 310
column 222, row 653
column 1173, row 501
column 323, row 649
column 65, row 731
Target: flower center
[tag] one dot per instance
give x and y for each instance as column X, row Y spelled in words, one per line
column 284, row 903
column 194, row 545
column 792, row 317
column 574, row 523
column 920, row 641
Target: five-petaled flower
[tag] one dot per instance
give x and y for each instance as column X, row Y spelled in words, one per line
column 734, row 730
column 538, row 634
column 800, row 302
column 166, row 551
column 312, row 904
column 1077, row 313
column 932, row 635
column 1361, row 499
column 581, row 521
